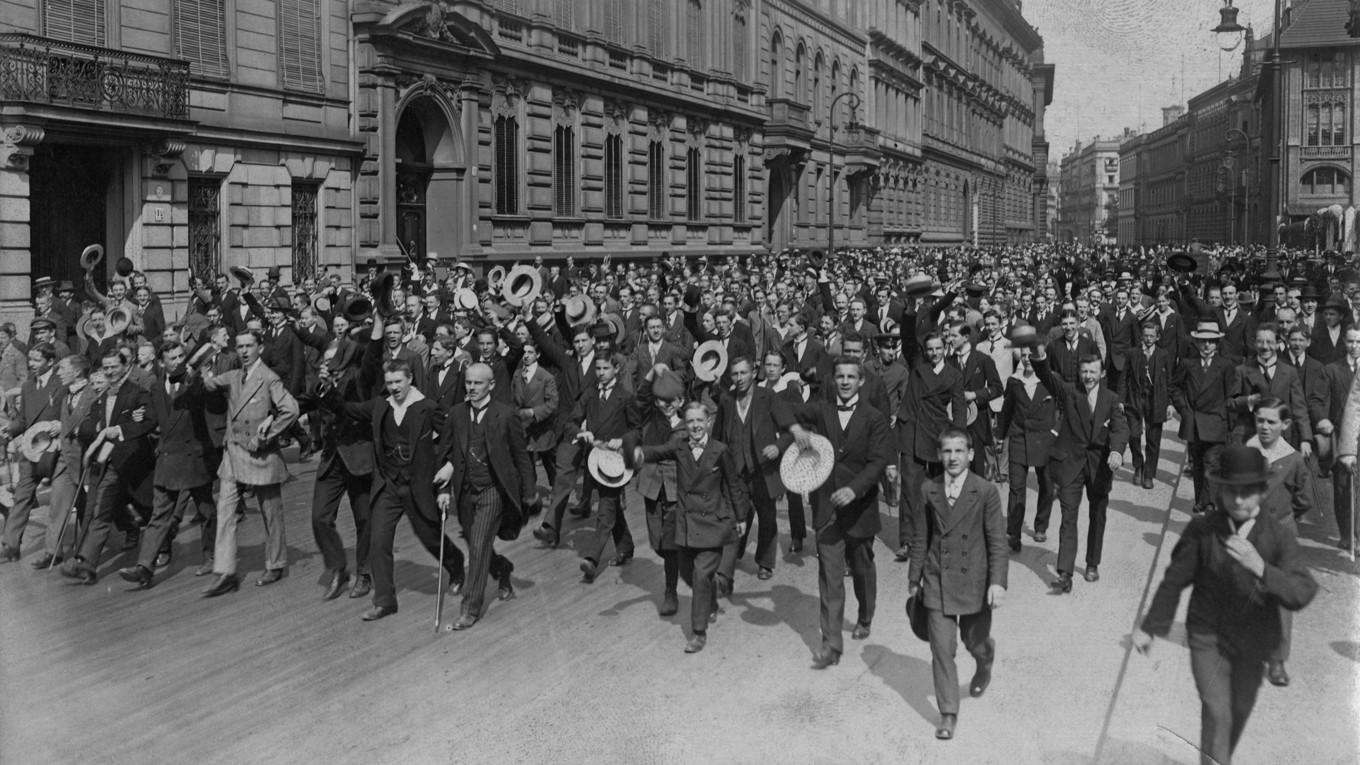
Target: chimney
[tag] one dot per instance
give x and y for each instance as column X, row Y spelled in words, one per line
column 1172, row 113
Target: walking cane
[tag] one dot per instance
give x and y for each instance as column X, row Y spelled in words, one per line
column 66, row 518
column 101, row 450
column 439, row 602
column 1351, row 541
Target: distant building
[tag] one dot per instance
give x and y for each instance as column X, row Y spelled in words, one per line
column 1089, row 205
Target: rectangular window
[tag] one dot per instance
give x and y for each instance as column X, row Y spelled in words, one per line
column 205, row 221
column 505, row 136
column 656, row 181
column 694, row 184
column 305, row 235
column 739, row 188
column 300, row 45
column 613, row 176
column 201, row 36
column 564, row 171
column 77, row 21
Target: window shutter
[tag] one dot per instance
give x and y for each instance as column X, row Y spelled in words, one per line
column 77, row 21
column 300, row 45
column 200, row 36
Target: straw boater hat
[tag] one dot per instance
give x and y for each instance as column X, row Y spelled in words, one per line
column 710, row 360
column 608, row 468
column 803, row 472
column 579, row 310
column 1024, row 336
column 1207, row 330
column 919, row 285
column 37, row 441
column 464, row 299
column 522, row 285
column 91, row 255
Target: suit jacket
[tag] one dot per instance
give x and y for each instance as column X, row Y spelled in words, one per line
column 1086, row 436
column 254, row 396
column 738, row 343
column 979, row 377
column 37, row 404
column 958, row 552
column 1121, row 335
column 710, row 492
column 133, row 454
column 1171, row 340
column 448, row 392
column 1339, row 383
column 606, row 420
column 1314, row 377
column 185, row 454
column 1243, row 612
column 539, row 393
column 1149, row 383
column 866, row 327
column 642, row 360
column 412, row 358
column 1067, row 363
column 1027, row 423
column 1201, row 396
column 761, row 430
column 512, row 472
column 1284, row 385
column 894, row 377
column 658, row 475
column 931, row 400
column 1348, row 408
column 389, row 468
column 571, row 381
column 1322, row 348
column 815, row 365
column 862, row 454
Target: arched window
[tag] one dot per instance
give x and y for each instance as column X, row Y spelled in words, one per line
column 799, row 57
column 776, row 68
column 817, row 86
column 1325, row 181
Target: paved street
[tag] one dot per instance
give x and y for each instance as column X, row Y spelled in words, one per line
column 588, row 673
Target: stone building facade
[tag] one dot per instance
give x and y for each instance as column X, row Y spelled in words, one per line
column 187, row 136
column 1089, row 207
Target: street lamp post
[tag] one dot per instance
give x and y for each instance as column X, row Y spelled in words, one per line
column 831, row 139
column 1232, row 187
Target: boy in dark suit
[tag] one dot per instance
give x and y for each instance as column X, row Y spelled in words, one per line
column 959, row 568
column 1200, row 389
column 1027, row 418
column 1147, row 384
column 708, row 513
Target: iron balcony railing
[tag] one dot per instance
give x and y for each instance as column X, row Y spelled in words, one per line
column 40, row 70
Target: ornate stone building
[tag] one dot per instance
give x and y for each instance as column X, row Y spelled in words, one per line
column 187, row 136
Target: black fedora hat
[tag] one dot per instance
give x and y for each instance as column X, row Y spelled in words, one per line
column 1240, row 465
column 1181, row 262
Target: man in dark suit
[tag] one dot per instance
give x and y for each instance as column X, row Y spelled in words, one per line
column 1148, row 382
column 1237, row 325
column 734, row 336
column 394, row 349
column 806, row 355
column 656, row 349
column 443, row 378
column 959, row 570
column 980, row 386
column 1065, row 354
column 184, row 462
column 708, row 514
column 1311, row 373
column 535, row 398
column 1264, row 377
column 1328, row 343
column 127, row 469
column 1027, row 418
column 1119, row 322
column 404, row 449
column 349, row 375
column 1343, row 424
column 483, row 445
column 858, row 320
column 40, row 399
column 932, row 401
column 1089, row 448
column 1201, row 387
column 503, row 366
column 845, row 507
column 746, row 423
column 575, row 372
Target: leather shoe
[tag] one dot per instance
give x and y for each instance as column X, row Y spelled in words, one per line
column 588, row 571
column 546, row 535
column 8, row 554
column 1092, row 574
column 1147, row 482
column 76, row 568
column 271, row 575
column 981, row 679
column 363, row 584
column 825, row 658
column 132, row 539
column 696, row 643
column 44, row 561
column 860, row 632
column 204, row 568
column 338, row 581
column 1040, row 537
column 580, row 511
column 507, row 590
column 670, row 604
column 456, row 587
column 464, row 622
column 163, row 559
column 138, row 575
column 945, row 730
column 796, row 545
column 903, row 554
column 1276, row 674
column 1015, row 545
column 621, row 559
column 722, row 587
column 225, row 583
column 377, row 612
column 764, row 574
column 1062, row 584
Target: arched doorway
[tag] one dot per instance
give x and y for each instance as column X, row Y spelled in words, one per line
column 430, row 171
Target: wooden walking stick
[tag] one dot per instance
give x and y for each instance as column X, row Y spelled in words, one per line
column 439, row 601
column 66, row 518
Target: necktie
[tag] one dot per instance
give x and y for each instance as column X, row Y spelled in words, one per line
column 1269, row 372
column 477, row 412
column 951, row 494
column 845, row 407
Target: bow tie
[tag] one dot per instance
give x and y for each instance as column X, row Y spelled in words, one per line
column 693, row 445
column 845, row 407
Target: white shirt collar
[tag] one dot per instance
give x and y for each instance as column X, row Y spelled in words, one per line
column 399, row 410
column 1280, row 450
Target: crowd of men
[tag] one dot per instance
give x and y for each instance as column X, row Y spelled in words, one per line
column 940, row 377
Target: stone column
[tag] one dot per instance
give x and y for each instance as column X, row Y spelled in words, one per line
column 15, row 217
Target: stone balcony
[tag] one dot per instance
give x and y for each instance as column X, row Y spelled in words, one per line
column 860, row 144
column 788, row 130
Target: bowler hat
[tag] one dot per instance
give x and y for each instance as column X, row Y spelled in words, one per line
column 920, row 620
column 1240, row 465
column 1024, row 336
column 668, row 386
column 66, row 286
column 1337, row 302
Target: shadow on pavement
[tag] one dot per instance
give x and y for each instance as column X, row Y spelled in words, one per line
column 908, row 676
column 1347, row 648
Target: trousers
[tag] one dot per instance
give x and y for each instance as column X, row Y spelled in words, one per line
column 704, row 561
column 976, row 630
column 270, row 499
column 836, row 550
column 479, row 513
column 332, row 484
column 1095, row 477
column 1227, row 687
column 1015, row 509
column 391, row 502
column 160, row 529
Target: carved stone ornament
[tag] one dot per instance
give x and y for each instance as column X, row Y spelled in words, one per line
column 17, row 147
column 435, row 24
